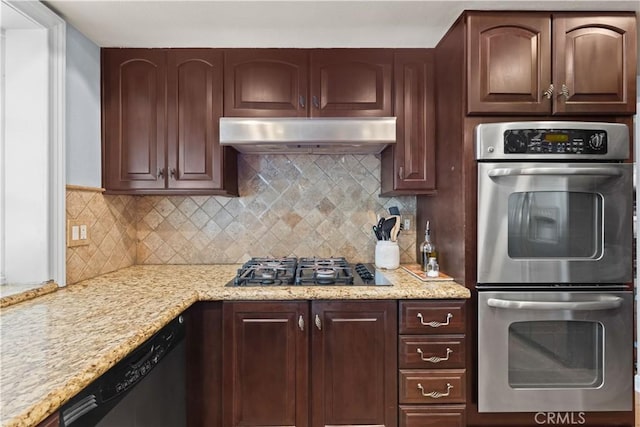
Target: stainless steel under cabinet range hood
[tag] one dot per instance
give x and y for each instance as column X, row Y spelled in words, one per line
column 362, row 135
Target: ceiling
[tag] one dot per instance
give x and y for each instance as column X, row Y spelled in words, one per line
column 294, row 23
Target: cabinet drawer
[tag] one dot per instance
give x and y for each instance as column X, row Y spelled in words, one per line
column 432, row 386
column 427, row 352
column 432, row 317
column 432, row 416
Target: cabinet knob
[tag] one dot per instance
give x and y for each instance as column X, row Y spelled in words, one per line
column 549, row 92
column 316, row 102
column 433, row 323
column 564, row 91
column 161, row 173
column 173, row 173
column 301, row 101
column 435, row 394
column 301, row 322
column 318, row 323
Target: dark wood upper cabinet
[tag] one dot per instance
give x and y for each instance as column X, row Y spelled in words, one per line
column 266, row 364
column 194, row 106
column 308, row 82
column 539, row 63
column 161, row 109
column 595, row 60
column 408, row 166
column 266, row 83
column 351, row 82
column 353, row 362
column 133, row 93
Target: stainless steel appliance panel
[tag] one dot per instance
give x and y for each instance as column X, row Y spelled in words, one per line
column 555, row 351
column 554, row 222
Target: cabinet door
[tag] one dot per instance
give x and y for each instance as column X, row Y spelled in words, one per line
column 354, row 363
column 408, row 167
column 265, row 364
column 351, row 82
column 194, row 107
column 595, row 64
column 509, row 63
column 133, row 108
column 266, row 83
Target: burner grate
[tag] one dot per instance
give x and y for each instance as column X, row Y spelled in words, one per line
column 323, row 271
column 266, row 271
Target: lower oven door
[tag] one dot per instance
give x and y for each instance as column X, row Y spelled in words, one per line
column 555, row 351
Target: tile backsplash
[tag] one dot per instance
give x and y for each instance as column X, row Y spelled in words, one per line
column 112, row 233
column 289, row 205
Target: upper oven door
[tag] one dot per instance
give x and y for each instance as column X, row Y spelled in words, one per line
column 554, row 223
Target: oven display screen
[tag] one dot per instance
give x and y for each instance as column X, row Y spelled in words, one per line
column 556, row 137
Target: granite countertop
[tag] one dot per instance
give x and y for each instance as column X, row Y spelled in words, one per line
column 53, row 346
column 12, row 293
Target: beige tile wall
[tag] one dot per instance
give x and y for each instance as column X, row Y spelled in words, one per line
column 112, row 233
column 302, row 205
column 297, row 205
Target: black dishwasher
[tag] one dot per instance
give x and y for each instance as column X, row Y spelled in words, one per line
column 145, row 389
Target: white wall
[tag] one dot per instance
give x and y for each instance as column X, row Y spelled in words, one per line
column 26, row 156
column 83, row 110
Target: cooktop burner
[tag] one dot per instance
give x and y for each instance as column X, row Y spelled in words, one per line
column 307, row 272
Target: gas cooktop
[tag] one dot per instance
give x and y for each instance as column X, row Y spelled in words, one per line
column 290, row 271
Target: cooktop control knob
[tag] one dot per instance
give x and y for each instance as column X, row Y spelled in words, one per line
column 364, row 272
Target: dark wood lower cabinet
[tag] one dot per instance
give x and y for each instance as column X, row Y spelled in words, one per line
column 324, row 363
column 441, row 416
column 266, row 356
column 204, row 365
column 52, row 421
column 353, row 363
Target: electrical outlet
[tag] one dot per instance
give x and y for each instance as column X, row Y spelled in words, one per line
column 77, row 233
column 407, row 224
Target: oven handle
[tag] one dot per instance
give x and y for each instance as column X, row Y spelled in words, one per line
column 607, row 303
column 605, row 172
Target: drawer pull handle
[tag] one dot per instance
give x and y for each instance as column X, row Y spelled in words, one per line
column 435, row 394
column 435, row 359
column 435, row 324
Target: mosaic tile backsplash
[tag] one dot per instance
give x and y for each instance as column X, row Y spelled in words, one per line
column 289, row 205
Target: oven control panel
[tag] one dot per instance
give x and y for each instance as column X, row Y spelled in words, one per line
column 552, row 141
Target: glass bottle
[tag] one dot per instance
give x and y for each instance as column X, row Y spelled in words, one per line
column 433, row 270
column 427, row 248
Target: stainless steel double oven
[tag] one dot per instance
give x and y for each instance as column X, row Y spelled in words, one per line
column 555, row 306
